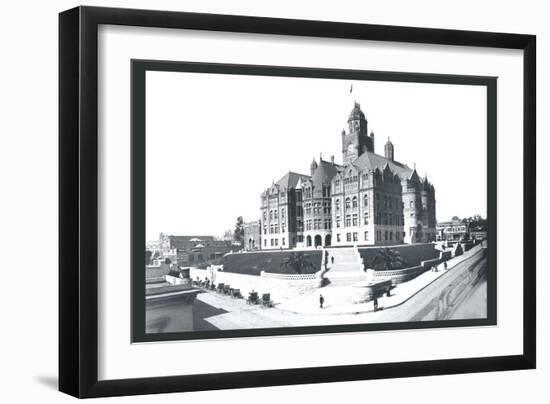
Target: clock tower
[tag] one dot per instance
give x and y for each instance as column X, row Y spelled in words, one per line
column 356, row 141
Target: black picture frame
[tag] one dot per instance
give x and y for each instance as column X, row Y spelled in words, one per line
column 78, row 201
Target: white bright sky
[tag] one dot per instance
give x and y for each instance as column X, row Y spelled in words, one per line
column 215, row 142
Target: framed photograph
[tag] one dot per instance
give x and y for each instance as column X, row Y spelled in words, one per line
column 251, row 201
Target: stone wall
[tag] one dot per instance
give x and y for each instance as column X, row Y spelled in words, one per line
column 156, row 271
column 278, row 285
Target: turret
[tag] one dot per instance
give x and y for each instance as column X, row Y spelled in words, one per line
column 313, row 166
column 388, row 150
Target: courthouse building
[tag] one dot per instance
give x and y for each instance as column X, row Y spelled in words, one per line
column 369, row 199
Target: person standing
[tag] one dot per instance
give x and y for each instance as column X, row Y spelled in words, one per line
column 375, row 302
column 332, row 259
column 321, row 301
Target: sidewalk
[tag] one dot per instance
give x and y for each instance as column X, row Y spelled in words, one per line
column 338, row 301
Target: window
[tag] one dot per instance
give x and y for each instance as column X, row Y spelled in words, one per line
column 338, row 237
column 191, row 257
column 348, row 236
column 355, row 219
column 366, row 200
column 265, row 215
column 348, row 203
column 391, row 202
column 270, row 215
column 212, row 256
column 337, row 221
column 385, row 202
column 354, row 202
column 276, row 242
column 199, row 257
column 265, row 243
column 354, row 236
column 386, row 235
column 337, row 205
column 412, row 204
column 391, row 235
column 366, row 236
column 283, row 213
column 283, row 241
column 348, row 220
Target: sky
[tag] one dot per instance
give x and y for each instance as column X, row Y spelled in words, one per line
column 214, row 142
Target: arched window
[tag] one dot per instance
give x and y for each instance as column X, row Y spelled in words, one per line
column 270, row 215
column 354, row 202
column 337, row 205
column 348, row 202
column 366, row 200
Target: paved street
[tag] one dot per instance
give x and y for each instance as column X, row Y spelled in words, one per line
column 461, row 293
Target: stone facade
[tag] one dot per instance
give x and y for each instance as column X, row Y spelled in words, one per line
column 370, row 199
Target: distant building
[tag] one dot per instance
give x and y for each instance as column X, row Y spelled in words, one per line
column 454, row 230
column 252, row 236
column 478, row 233
column 369, row 199
column 190, row 250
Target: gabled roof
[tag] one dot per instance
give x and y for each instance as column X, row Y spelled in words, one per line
column 290, row 180
column 371, row 161
column 324, row 173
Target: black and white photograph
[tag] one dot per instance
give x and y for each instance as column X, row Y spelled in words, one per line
column 289, row 201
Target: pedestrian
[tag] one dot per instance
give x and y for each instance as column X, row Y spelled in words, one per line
column 332, row 259
column 445, row 265
column 321, row 301
column 375, row 302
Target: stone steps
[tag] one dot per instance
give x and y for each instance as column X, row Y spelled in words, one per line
column 347, row 268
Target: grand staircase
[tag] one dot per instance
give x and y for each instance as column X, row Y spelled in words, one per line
column 347, row 268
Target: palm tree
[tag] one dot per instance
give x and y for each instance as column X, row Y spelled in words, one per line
column 298, row 262
column 388, row 259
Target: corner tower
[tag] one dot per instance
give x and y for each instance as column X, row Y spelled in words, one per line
column 356, row 141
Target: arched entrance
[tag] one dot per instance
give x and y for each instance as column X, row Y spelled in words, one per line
column 308, row 241
column 318, row 240
column 327, row 240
